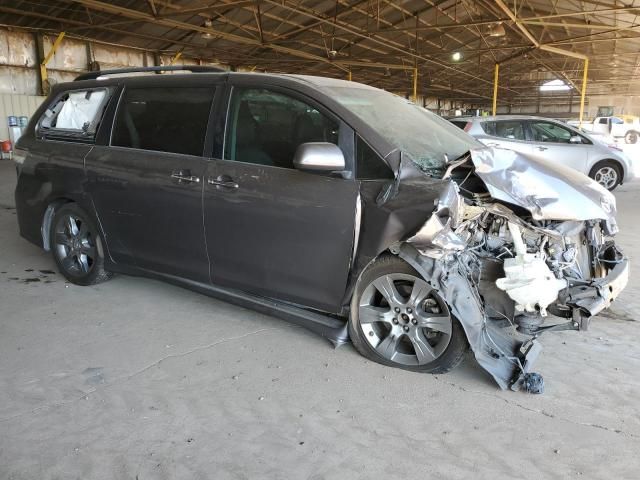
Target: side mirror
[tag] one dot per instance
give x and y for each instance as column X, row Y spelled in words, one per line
column 575, row 139
column 319, row 157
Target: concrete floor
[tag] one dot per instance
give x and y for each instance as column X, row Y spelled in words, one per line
column 136, row 379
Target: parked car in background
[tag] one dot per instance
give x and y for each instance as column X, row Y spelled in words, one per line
column 624, row 126
column 554, row 141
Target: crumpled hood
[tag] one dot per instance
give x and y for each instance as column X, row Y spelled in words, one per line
column 547, row 190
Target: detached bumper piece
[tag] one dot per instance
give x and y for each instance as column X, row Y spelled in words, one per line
column 592, row 298
column 507, row 359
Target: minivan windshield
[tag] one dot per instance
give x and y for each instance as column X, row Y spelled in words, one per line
column 422, row 136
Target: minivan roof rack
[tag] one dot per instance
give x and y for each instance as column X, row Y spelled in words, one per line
column 167, row 68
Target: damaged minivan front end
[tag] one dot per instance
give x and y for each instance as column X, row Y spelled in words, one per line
column 518, row 247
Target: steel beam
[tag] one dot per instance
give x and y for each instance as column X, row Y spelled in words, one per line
column 127, row 12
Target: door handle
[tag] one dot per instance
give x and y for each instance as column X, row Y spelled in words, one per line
column 223, row 181
column 542, row 149
column 184, row 176
column 493, row 144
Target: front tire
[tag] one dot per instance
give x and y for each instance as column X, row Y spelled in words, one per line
column 607, row 173
column 77, row 247
column 398, row 319
column 631, row 137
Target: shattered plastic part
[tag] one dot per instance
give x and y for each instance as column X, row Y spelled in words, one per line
column 438, row 235
column 557, row 243
column 528, row 280
column 533, row 383
column 495, row 350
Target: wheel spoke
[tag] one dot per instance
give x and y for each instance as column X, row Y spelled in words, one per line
column 434, row 321
column 388, row 290
column 84, row 263
column 424, row 351
column 371, row 314
column 388, row 347
column 62, row 239
column 72, row 226
column 88, row 251
column 420, row 291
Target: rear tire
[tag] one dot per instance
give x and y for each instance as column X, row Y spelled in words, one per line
column 77, row 247
column 607, row 173
column 409, row 326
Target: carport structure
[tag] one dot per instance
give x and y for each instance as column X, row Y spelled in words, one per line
column 443, row 49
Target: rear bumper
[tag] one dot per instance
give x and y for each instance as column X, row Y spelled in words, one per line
column 598, row 295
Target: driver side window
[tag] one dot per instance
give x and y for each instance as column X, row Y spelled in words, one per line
column 266, row 127
column 550, row 132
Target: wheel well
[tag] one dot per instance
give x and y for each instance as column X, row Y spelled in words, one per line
column 616, row 163
column 47, row 218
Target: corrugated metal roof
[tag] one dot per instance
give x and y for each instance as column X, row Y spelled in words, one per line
column 380, row 41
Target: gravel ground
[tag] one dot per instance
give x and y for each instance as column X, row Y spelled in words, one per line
column 136, row 379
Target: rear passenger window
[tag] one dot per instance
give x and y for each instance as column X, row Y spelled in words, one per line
column 170, row 120
column 74, row 114
column 266, row 127
column 509, row 129
column 369, row 165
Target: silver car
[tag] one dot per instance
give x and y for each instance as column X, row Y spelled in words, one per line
column 554, row 141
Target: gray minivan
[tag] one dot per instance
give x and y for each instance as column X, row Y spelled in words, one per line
column 332, row 204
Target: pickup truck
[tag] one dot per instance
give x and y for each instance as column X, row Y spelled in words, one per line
column 623, row 126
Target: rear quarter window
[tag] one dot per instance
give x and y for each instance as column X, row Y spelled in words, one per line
column 509, row 129
column 75, row 114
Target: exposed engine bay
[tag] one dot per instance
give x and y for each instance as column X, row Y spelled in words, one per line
column 508, row 269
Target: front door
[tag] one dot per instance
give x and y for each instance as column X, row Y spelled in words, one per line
column 272, row 230
column 147, row 186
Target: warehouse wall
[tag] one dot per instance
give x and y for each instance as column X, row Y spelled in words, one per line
column 19, row 69
column 17, row 105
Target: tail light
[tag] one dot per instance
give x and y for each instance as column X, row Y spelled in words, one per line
column 19, row 156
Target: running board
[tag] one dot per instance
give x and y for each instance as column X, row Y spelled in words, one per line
column 331, row 328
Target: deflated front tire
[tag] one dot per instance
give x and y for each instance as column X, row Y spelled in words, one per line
column 398, row 319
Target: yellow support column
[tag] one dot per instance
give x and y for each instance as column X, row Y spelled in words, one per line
column 349, row 75
column 43, row 66
column 584, row 89
column 415, row 85
column 176, row 58
column 495, row 89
